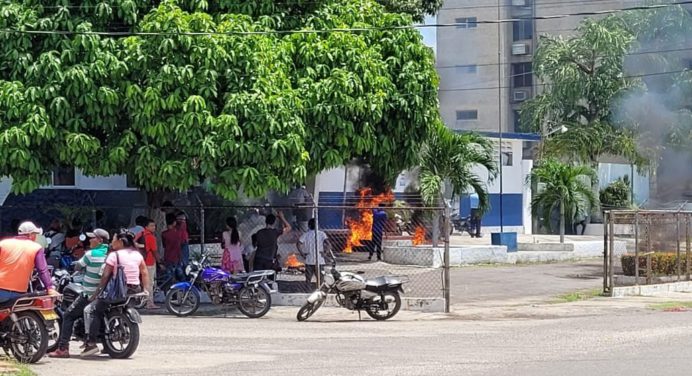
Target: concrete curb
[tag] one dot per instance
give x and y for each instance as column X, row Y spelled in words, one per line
column 652, row 290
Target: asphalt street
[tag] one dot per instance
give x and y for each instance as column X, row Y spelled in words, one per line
column 503, row 324
column 630, row 341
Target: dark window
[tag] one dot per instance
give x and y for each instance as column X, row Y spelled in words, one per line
column 522, row 76
column 517, row 121
column 522, row 29
column 466, row 22
column 130, row 181
column 467, row 115
column 467, row 68
column 63, row 177
column 507, row 158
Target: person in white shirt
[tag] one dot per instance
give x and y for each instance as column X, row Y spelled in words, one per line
column 306, row 247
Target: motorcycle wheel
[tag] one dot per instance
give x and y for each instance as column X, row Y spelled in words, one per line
column 29, row 337
column 254, row 302
column 178, row 307
column 308, row 309
column 122, row 338
column 53, row 329
column 376, row 311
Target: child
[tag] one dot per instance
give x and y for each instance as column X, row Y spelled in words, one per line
column 232, row 260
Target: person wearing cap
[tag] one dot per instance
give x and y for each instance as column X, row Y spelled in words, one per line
column 19, row 256
column 92, row 261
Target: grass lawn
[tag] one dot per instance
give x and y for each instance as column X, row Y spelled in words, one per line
column 672, row 306
column 578, row 296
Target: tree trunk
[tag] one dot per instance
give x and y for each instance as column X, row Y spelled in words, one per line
column 562, row 222
column 596, row 214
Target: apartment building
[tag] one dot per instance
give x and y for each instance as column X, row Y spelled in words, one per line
column 486, row 68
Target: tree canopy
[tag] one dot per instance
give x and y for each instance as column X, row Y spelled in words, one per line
column 245, row 96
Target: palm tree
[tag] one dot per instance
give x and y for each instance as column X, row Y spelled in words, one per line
column 565, row 187
column 450, row 158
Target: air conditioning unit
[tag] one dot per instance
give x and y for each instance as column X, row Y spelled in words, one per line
column 519, row 3
column 520, row 95
column 520, row 49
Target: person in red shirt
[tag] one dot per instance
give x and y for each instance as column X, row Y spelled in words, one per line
column 150, row 258
column 172, row 246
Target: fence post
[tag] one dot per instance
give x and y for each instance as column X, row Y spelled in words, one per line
column 687, row 245
column 636, row 248
column 612, row 250
column 649, row 251
column 318, row 274
column 447, row 292
column 606, row 218
column 677, row 245
column 201, row 228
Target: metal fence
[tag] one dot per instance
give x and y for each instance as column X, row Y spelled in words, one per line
column 658, row 247
column 358, row 233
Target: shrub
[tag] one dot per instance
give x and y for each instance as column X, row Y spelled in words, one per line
column 616, row 195
column 662, row 263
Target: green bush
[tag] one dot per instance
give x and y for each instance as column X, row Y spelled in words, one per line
column 662, row 263
column 616, row 195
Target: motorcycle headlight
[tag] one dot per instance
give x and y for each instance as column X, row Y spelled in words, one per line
column 192, row 267
column 329, row 279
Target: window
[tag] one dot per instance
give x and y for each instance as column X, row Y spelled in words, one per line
column 63, row 177
column 467, row 115
column 522, row 29
column 130, row 181
column 467, row 68
column 522, row 76
column 466, row 22
column 517, row 121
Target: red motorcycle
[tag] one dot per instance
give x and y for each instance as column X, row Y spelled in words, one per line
column 23, row 323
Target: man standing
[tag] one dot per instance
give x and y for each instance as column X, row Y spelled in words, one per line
column 19, row 256
column 379, row 221
column 151, row 256
column 266, row 242
column 172, row 245
column 138, row 230
column 181, row 220
column 307, row 244
column 475, row 216
column 92, row 260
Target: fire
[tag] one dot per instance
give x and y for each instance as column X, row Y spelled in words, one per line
column 419, row 235
column 361, row 229
column 292, row 261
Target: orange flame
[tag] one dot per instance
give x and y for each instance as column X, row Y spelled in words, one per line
column 419, row 235
column 292, row 261
column 361, row 229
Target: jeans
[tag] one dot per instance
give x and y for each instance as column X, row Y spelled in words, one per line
column 186, row 254
column 6, row 295
column 152, row 282
column 475, row 223
column 310, row 271
column 73, row 313
column 376, row 244
column 89, row 316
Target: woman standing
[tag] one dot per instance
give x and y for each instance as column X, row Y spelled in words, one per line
column 232, row 260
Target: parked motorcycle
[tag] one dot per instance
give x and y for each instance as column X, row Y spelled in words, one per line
column 378, row 297
column 23, row 323
column 250, row 292
column 120, row 330
column 460, row 224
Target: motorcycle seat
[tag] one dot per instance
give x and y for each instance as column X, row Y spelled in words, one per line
column 11, row 302
column 377, row 284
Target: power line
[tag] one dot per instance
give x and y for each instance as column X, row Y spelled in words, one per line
column 340, row 30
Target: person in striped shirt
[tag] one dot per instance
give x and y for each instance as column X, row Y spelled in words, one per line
column 92, row 262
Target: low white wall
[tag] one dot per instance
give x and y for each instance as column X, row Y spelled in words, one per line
column 652, row 290
column 488, row 254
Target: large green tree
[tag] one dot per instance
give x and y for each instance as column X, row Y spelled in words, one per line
column 180, row 92
column 583, row 75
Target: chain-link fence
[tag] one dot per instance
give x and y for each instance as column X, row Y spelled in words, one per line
column 657, row 243
column 372, row 236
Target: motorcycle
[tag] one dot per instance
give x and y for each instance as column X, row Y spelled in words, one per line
column 460, row 224
column 378, row 297
column 250, row 292
column 23, row 323
column 120, row 330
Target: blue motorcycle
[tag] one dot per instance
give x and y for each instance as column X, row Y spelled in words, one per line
column 250, row 292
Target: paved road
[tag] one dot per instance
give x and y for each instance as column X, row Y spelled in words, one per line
column 631, row 340
column 535, row 281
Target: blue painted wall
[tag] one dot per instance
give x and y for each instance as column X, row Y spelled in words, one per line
column 512, row 209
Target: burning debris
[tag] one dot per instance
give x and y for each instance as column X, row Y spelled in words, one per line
column 361, row 228
column 293, row 265
column 419, row 236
